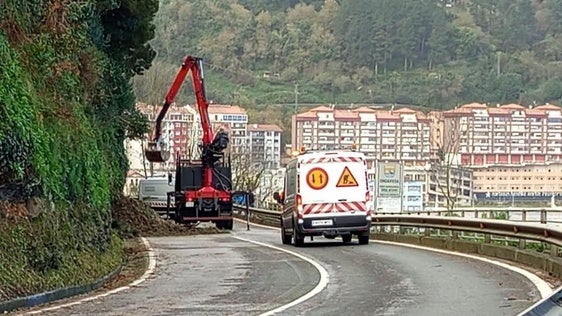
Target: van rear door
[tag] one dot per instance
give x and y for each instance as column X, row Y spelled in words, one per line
column 338, row 180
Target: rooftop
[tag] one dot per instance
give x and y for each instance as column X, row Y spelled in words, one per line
column 225, row 109
column 264, row 127
column 506, row 109
column 146, row 109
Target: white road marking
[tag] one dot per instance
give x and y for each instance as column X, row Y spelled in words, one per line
column 542, row 286
column 539, row 283
column 147, row 273
column 322, row 283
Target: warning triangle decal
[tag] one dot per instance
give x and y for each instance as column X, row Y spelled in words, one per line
column 347, row 179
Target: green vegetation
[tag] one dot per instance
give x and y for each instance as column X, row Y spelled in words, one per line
column 362, row 51
column 66, row 105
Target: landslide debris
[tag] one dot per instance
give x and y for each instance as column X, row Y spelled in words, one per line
column 133, row 218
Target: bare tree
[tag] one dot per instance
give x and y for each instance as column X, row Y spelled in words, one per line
column 447, row 172
column 246, row 174
column 268, row 185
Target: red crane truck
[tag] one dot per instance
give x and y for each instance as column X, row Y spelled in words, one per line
column 203, row 188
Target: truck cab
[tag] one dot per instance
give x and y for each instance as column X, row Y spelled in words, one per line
column 325, row 194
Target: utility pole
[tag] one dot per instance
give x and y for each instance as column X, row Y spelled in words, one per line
column 296, row 98
column 498, row 64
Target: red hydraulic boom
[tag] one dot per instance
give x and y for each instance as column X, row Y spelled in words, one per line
column 210, row 147
column 203, row 188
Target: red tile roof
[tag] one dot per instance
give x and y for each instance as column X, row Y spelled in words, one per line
column 264, row 127
column 225, row 109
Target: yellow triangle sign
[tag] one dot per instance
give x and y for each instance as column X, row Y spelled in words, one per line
column 347, row 179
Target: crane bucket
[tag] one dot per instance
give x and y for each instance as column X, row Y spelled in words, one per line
column 153, row 154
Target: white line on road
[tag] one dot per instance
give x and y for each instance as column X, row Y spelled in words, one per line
column 541, row 285
column 147, row 273
column 322, row 283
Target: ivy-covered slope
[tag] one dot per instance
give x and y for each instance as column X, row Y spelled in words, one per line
column 66, row 105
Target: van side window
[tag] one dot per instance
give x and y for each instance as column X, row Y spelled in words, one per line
column 291, row 184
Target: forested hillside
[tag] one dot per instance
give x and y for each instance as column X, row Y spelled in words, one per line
column 66, row 106
column 420, row 52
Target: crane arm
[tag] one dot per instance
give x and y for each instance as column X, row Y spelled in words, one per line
column 155, row 152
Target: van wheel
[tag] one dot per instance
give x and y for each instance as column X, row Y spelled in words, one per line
column 346, row 238
column 299, row 239
column 364, row 239
column 285, row 238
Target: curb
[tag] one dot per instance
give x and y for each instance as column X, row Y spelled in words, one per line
column 53, row 295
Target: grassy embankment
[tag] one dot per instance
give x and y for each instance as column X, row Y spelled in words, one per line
column 61, row 155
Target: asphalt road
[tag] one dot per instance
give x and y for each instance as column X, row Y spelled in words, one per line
column 222, row 275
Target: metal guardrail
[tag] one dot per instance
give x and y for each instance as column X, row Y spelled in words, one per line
column 522, row 229
column 515, row 229
column 529, row 214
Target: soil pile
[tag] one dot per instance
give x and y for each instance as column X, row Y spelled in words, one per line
column 133, row 218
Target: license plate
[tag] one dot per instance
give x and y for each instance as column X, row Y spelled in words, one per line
column 324, row 222
column 189, row 204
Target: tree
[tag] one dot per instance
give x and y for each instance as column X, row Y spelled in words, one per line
column 446, row 172
column 246, row 173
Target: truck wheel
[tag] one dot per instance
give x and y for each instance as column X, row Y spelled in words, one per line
column 346, row 238
column 227, row 224
column 285, row 238
column 224, row 225
column 299, row 239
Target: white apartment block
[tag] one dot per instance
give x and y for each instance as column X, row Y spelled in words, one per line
column 264, row 141
column 179, row 129
column 400, row 135
column 507, row 134
column 234, row 120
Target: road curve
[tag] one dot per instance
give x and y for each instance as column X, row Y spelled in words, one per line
column 392, row 280
column 223, row 275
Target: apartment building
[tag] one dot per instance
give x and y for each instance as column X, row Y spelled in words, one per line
column 518, row 183
column 400, row 135
column 179, row 129
column 441, row 183
column 264, row 141
column 506, row 134
column 513, row 150
column 234, row 120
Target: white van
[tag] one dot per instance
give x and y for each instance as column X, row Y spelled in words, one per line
column 325, row 194
column 154, row 192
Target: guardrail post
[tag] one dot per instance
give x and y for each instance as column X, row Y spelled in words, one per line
column 462, row 213
column 475, row 214
column 487, row 238
column 455, row 234
column 522, row 243
column 524, row 216
column 247, row 198
column 543, row 216
column 553, row 250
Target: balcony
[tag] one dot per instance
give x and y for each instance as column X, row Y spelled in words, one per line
column 347, row 134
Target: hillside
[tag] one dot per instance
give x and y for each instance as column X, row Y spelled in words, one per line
column 422, row 53
column 66, row 106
